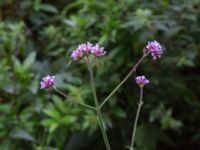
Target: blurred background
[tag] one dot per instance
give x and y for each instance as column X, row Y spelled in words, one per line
column 36, row 39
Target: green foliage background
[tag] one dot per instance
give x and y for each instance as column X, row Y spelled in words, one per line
column 36, row 39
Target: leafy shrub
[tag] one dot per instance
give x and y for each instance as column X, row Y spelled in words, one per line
column 36, row 37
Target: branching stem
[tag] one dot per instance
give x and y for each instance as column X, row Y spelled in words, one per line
column 98, row 111
column 72, row 99
column 124, row 80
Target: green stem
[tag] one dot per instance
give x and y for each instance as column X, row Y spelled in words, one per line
column 97, row 106
column 124, row 80
column 137, row 117
column 71, row 99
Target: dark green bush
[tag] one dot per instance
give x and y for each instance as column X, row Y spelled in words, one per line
column 37, row 37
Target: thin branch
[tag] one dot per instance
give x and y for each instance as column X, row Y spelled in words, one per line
column 137, row 117
column 71, row 99
column 124, row 80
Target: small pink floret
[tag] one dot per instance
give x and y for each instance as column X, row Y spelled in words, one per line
column 141, row 80
column 155, row 49
column 98, row 51
column 77, row 54
column 86, row 49
column 47, row 81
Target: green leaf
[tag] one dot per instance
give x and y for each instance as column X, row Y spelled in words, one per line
column 70, row 23
column 29, row 60
column 48, row 8
column 37, row 4
column 52, row 113
column 22, row 134
column 53, row 128
column 119, row 112
column 69, row 119
column 51, row 124
column 48, row 122
column 34, row 86
column 59, row 103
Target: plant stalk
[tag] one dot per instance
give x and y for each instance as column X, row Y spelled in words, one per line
column 71, row 99
column 124, row 80
column 137, row 117
column 98, row 111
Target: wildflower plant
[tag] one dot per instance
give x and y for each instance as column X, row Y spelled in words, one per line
column 84, row 51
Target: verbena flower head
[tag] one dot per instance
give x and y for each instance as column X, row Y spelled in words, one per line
column 86, row 49
column 141, row 80
column 98, row 51
column 77, row 54
column 47, row 81
column 155, row 49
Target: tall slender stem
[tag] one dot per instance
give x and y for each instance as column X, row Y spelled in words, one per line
column 124, row 80
column 71, row 99
column 98, row 111
column 137, row 117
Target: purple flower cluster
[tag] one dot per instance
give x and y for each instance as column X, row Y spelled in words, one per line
column 141, row 80
column 86, row 49
column 47, row 81
column 155, row 49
